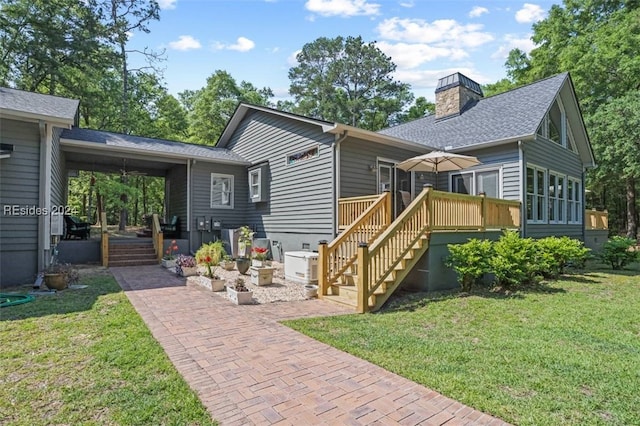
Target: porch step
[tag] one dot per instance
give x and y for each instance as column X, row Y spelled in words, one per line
column 132, row 253
column 341, row 300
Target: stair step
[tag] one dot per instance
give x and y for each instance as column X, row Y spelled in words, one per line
column 124, row 256
column 133, row 262
column 341, row 300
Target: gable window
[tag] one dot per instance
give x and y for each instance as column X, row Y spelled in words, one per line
column 574, row 201
column 221, row 191
column 536, row 194
column 476, row 182
column 302, row 156
column 255, row 183
column 556, row 197
column 554, row 124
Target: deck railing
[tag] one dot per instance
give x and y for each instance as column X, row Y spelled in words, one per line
column 337, row 257
column 595, row 220
column 350, row 209
column 104, row 239
column 157, row 236
column 431, row 210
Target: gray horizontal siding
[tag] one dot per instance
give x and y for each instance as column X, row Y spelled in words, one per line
column 177, row 201
column 549, row 155
column 356, row 155
column 300, row 195
column 19, row 183
column 558, row 230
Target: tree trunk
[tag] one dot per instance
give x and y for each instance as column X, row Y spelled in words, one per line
column 124, row 214
column 632, row 224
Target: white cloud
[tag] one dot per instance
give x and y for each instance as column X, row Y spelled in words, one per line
column 342, row 8
column 167, row 4
column 441, row 33
column 242, row 44
column 408, row 56
column 425, row 81
column 529, row 13
column 512, row 41
column 407, row 4
column 292, row 60
column 185, row 42
column 478, row 11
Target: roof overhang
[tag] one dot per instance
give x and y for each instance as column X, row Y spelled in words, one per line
column 80, row 145
column 12, row 114
column 490, row 144
column 381, row 138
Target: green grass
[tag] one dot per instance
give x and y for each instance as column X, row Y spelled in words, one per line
column 86, row 357
column 566, row 353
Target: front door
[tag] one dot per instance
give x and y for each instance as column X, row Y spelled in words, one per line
column 397, row 182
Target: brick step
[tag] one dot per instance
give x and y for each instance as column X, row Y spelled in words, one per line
column 123, row 256
column 134, row 252
column 133, row 262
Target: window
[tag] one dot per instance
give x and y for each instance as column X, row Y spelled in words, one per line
column 302, row 156
column 556, row 197
column 536, row 196
column 554, row 125
column 255, row 183
column 221, row 191
column 574, row 201
column 476, row 182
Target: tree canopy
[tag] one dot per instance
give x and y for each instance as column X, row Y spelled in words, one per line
column 348, row 81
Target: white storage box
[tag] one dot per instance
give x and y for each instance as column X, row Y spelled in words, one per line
column 301, row 267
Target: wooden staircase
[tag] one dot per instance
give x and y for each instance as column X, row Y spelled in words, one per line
column 132, row 252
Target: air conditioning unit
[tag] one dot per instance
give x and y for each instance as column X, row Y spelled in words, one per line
column 301, row 267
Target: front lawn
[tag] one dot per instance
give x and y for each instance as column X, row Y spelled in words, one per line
column 86, row 357
column 566, row 353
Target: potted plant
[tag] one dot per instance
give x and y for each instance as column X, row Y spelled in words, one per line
column 169, row 259
column 239, row 294
column 59, row 276
column 244, row 241
column 259, row 256
column 210, row 255
column 227, row 263
column 186, row 266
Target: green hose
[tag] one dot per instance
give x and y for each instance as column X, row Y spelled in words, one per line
column 14, row 299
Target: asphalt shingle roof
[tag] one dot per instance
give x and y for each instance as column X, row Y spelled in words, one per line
column 118, row 140
column 38, row 104
column 513, row 114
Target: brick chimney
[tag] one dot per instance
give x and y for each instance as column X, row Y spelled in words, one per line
column 454, row 93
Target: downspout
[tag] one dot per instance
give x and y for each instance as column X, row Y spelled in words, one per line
column 44, row 224
column 336, row 182
column 189, row 201
column 523, row 190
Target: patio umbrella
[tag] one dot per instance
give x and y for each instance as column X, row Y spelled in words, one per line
column 438, row 161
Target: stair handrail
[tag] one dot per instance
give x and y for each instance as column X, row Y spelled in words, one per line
column 394, row 243
column 337, row 256
column 157, row 236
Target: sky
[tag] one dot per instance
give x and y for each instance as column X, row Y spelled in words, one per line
column 257, row 40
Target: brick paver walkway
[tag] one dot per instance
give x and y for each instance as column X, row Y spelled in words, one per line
column 249, row 369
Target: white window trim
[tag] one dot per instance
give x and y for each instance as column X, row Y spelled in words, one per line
column 578, row 204
column 301, row 151
column 473, row 172
column 563, row 200
column 258, row 193
column 564, row 128
column 545, row 196
column 231, row 192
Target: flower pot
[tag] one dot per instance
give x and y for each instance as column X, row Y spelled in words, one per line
column 261, row 276
column 240, row 297
column 228, row 265
column 55, row 281
column 206, row 282
column 257, row 263
column 243, row 265
column 310, row 291
column 169, row 263
column 188, row 271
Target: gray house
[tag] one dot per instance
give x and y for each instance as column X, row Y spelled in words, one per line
column 284, row 174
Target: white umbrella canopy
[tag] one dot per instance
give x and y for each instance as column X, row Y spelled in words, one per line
column 438, row 161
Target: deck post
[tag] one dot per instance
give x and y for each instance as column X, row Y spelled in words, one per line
column 483, row 211
column 323, row 263
column 104, row 237
column 388, row 207
column 428, row 187
column 363, row 278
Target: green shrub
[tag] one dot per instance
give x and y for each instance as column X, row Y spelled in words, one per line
column 554, row 254
column 617, row 252
column 470, row 261
column 513, row 260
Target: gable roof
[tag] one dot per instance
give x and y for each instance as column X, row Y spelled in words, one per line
column 506, row 117
column 36, row 106
column 129, row 143
column 325, row 126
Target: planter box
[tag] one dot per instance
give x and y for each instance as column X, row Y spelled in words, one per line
column 261, row 276
column 188, row 271
column 206, row 282
column 169, row 263
column 240, row 297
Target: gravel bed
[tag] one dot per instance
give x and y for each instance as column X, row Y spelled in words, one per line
column 281, row 290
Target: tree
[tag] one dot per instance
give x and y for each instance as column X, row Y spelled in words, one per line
column 349, row 81
column 214, row 104
column 421, row 108
column 615, row 130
